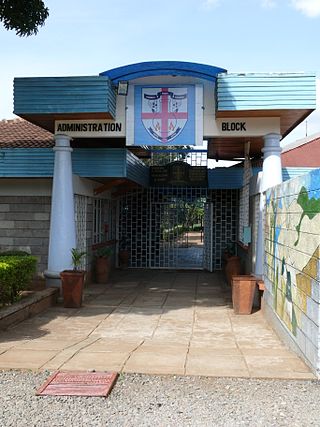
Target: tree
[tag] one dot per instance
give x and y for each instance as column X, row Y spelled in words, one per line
column 23, row 16
column 165, row 155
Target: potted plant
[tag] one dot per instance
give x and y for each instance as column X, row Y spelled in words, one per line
column 103, row 264
column 124, row 253
column 232, row 262
column 243, row 288
column 73, row 281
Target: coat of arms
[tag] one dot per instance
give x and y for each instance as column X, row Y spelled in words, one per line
column 164, row 112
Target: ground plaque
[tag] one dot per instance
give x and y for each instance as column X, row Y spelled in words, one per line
column 78, row 384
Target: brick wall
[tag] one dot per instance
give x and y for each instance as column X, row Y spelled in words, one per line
column 24, row 224
column 292, row 262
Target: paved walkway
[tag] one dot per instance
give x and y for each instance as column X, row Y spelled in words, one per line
column 154, row 322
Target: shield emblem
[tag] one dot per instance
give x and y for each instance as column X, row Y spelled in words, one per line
column 164, row 112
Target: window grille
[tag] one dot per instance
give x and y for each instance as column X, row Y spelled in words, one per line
column 80, row 204
column 110, row 218
column 97, row 221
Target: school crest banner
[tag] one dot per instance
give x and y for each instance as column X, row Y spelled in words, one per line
column 164, row 115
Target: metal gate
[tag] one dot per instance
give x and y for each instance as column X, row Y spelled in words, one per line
column 155, row 225
column 207, row 232
column 80, row 210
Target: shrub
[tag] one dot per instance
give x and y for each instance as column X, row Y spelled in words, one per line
column 14, row 253
column 104, row 252
column 16, row 272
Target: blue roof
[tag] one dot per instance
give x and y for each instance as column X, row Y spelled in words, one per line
column 163, row 68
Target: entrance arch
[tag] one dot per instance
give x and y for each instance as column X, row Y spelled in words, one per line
column 157, row 226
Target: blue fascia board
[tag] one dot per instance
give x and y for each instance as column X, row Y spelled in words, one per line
column 86, row 162
column 114, row 163
column 64, row 95
column 232, row 178
column 99, row 162
column 240, row 92
column 161, row 68
column 225, row 178
column 136, row 169
column 292, row 172
column 26, row 162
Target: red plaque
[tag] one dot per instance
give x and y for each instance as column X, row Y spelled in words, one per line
column 78, row 384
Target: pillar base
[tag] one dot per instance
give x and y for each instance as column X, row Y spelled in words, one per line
column 53, row 279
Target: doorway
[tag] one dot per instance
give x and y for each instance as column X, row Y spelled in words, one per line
column 164, row 227
column 178, row 227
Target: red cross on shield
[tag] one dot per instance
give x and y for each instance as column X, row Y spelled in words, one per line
column 164, row 112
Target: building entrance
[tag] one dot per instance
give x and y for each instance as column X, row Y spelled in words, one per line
column 164, row 227
column 177, row 227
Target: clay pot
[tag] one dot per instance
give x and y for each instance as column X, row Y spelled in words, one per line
column 103, row 267
column 124, row 258
column 233, row 268
column 72, row 288
column 243, row 289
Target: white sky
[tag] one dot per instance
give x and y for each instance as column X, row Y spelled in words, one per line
column 86, row 38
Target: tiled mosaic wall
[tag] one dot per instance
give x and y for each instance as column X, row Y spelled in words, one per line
column 292, row 266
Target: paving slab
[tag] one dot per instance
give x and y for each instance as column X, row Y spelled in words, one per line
column 152, row 322
column 89, row 361
column 207, row 363
column 26, row 359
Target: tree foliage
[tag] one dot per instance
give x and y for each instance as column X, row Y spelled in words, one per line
column 23, row 16
column 165, row 155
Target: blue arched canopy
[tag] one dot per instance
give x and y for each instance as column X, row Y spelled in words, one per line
column 163, row 68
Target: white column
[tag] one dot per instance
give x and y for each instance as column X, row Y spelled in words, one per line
column 62, row 223
column 271, row 176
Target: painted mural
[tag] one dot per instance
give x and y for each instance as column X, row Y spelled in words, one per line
column 292, row 247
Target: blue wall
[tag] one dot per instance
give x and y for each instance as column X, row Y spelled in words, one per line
column 64, row 95
column 110, row 163
column 266, row 91
column 86, row 162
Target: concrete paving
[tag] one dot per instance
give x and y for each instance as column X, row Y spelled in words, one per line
column 153, row 322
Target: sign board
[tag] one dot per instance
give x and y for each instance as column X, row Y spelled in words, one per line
column 90, row 128
column 159, row 115
column 178, row 174
column 242, row 126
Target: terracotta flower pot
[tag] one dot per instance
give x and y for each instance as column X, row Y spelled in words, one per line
column 103, row 267
column 72, row 288
column 123, row 258
column 233, row 268
column 243, row 288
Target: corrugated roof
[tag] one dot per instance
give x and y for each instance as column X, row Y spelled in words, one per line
column 18, row 133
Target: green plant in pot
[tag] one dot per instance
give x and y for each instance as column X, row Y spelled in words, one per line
column 73, row 281
column 103, row 264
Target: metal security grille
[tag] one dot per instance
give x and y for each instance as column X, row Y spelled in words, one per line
column 208, row 244
column 152, row 225
column 97, row 221
column 225, row 205
column 134, row 225
column 80, row 208
column 170, row 154
column 109, row 219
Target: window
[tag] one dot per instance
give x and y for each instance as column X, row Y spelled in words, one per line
column 98, row 235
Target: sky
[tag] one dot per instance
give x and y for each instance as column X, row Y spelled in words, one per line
column 86, row 38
